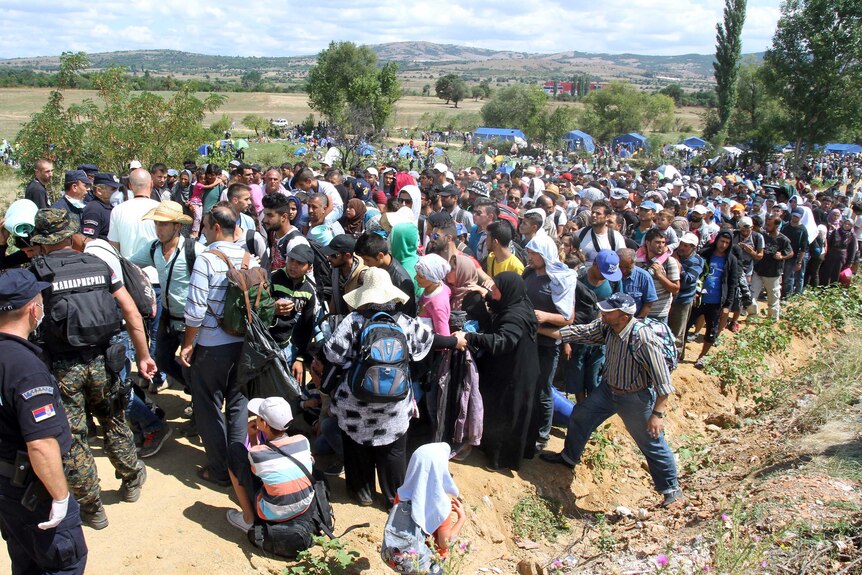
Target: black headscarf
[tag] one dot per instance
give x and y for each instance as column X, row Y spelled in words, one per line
column 514, row 303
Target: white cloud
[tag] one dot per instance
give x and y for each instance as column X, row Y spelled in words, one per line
column 288, row 27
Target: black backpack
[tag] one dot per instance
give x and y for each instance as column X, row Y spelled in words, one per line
column 322, row 274
column 188, row 252
column 137, row 284
column 80, row 312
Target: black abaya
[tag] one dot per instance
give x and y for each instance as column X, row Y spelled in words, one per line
column 508, row 375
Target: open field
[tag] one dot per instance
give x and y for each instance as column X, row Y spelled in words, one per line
column 18, row 104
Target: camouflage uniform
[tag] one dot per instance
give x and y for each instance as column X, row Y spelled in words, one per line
column 87, row 384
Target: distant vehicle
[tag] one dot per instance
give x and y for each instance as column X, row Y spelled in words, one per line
column 280, row 123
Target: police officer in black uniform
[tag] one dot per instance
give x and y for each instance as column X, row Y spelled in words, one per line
column 96, row 219
column 39, row 520
column 77, row 192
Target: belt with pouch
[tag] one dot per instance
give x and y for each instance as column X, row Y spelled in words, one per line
column 7, row 469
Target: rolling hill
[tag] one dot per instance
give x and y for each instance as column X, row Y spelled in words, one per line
column 419, row 62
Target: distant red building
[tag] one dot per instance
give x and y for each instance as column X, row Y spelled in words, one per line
column 569, row 88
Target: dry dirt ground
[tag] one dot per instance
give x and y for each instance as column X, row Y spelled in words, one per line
column 179, row 526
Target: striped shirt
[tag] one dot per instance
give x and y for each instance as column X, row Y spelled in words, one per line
column 207, row 291
column 633, row 361
column 286, row 490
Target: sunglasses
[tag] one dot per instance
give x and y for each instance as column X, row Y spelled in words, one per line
column 405, row 200
column 513, row 198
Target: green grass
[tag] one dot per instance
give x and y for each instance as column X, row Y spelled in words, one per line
column 536, row 517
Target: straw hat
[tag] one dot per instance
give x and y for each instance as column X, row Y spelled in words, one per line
column 376, row 288
column 168, row 211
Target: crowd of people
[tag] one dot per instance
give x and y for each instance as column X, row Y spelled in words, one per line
column 430, row 308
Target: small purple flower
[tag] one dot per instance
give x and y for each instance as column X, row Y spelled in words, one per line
column 661, row 560
column 725, row 517
column 763, row 563
column 706, row 568
column 755, row 538
column 557, row 563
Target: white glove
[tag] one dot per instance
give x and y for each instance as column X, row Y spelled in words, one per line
column 58, row 513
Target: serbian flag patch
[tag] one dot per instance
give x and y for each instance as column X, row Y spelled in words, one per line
column 44, row 412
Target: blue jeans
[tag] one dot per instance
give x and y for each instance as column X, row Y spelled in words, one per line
column 584, row 369
column 138, row 413
column 152, row 330
column 549, row 356
column 635, row 410
column 329, row 440
column 793, row 281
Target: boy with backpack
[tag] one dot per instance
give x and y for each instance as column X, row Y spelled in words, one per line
column 635, row 385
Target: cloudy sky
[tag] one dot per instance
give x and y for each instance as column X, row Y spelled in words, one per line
column 287, row 27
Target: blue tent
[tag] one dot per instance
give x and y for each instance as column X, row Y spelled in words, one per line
column 300, row 151
column 366, row 150
column 405, row 151
column 694, row 142
column 842, row 149
column 437, row 151
column 578, row 140
column 498, row 134
column 505, row 170
column 631, row 141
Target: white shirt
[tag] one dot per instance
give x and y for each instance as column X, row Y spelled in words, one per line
column 334, row 200
column 131, row 232
column 591, row 251
column 105, row 252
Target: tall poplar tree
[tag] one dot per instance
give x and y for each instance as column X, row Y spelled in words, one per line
column 728, row 51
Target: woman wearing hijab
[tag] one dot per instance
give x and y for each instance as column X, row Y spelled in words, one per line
column 434, row 303
column 462, row 280
column 509, row 371
column 550, row 287
column 433, row 497
column 840, row 248
column 404, row 245
column 374, row 434
column 411, row 197
column 353, row 220
column 294, row 213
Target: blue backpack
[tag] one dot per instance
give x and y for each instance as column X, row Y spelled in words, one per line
column 404, row 546
column 664, row 336
column 381, row 372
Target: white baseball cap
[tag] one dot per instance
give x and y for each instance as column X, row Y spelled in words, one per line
column 134, row 165
column 699, row 209
column 441, row 167
column 275, row 411
column 372, row 171
column 689, row 238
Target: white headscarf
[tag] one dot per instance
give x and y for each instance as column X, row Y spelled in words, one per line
column 416, row 197
column 433, row 267
column 807, row 220
column 563, row 279
column 428, row 486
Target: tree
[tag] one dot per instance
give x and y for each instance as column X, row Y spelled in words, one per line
column 814, row 67
column 257, row 123
column 353, row 94
column 485, row 85
column 553, row 125
column 675, row 92
column 476, row 92
column 220, row 126
column 757, row 118
column 728, row 49
column 518, row 106
column 659, row 112
column 426, row 90
column 251, row 80
column 451, row 88
column 120, row 127
column 615, row 109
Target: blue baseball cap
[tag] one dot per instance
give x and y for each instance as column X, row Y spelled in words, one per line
column 73, row 176
column 17, row 288
column 649, row 206
column 619, row 301
column 609, row 265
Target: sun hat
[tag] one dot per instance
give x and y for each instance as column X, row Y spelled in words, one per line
column 275, row 411
column 376, row 288
column 168, row 211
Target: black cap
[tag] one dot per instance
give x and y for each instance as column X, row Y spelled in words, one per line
column 301, row 253
column 448, row 190
column 73, row 176
column 440, row 219
column 89, row 168
column 106, row 179
column 340, row 244
column 17, row 288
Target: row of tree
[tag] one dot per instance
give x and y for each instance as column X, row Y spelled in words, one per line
column 806, row 92
column 251, row 81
